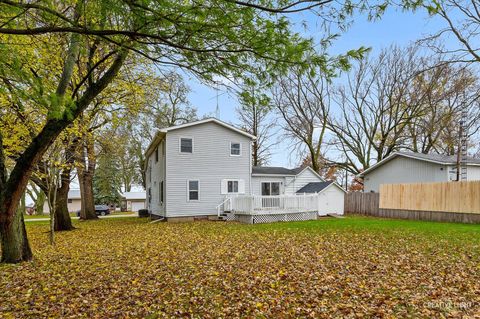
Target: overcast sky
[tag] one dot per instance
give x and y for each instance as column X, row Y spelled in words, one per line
column 395, row 27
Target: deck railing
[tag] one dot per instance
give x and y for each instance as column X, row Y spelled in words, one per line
column 280, row 204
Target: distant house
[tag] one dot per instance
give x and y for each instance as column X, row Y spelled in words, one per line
column 192, row 168
column 133, row 201
column 407, row 167
column 74, row 202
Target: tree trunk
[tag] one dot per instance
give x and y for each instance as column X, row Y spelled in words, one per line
column 85, row 175
column 62, row 216
column 39, row 203
column 15, row 246
column 88, row 203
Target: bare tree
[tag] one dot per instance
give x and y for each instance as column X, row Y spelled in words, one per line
column 302, row 101
column 170, row 107
column 451, row 92
column 462, row 22
column 255, row 116
column 376, row 105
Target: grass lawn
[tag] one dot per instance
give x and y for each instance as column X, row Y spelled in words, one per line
column 126, row 267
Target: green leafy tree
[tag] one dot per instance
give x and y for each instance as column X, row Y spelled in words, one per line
column 212, row 38
column 107, row 182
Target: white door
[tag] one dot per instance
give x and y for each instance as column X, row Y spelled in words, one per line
column 322, row 204
column 136, row 206
column 331, row 201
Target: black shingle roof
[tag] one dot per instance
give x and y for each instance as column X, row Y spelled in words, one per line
column 264, row 170
column 314, row 187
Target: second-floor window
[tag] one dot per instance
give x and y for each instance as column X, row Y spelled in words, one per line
column 156, row 155
column 186, row 145
column 235, row 149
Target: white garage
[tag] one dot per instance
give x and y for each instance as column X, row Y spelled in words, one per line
column 137, row 205
column 331, row 196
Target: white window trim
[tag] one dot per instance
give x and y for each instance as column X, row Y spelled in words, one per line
column 238, row 186
column 180, row 144
column 188, row 190
column 230, row 149
column 270, row 182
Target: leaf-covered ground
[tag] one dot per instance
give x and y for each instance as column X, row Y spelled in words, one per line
column 352, row 267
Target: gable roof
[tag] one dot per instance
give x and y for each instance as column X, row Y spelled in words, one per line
column 273, row 170
column 134, row 195
column 282, row 171
column 314, row 187
column 431, row 158
column 162, row 132
column 317, row 187
column 208, row 120
column 74, row 194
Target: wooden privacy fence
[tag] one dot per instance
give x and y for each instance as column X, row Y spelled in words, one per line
column 455, row 202
column 453, row 197
column 362, row 203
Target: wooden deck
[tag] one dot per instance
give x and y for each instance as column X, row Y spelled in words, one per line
column 264, row 209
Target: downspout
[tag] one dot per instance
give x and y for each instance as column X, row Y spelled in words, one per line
column 250, row 167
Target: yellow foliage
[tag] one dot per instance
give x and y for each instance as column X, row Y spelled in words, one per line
column 128, row 268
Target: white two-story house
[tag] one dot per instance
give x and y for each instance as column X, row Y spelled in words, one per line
column 191, row 168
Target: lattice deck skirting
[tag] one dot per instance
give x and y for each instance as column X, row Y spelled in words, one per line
column 272, row 218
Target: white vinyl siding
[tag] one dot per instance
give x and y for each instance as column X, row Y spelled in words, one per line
column 210, row 163
column 155, row 180
column 405, row 170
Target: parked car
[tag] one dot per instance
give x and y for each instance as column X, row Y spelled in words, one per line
column 100, row 210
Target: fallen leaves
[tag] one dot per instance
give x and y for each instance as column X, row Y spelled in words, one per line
column 131, row 269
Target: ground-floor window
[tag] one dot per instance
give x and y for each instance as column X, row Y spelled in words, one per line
column 193, row 189
column 270, row 188
column 232, row 186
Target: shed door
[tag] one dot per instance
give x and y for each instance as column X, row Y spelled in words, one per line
column 331, row 202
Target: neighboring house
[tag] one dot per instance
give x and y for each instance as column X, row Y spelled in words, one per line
column 191, row 169
column 133, row 201
column 74, row 202
column 406, row 167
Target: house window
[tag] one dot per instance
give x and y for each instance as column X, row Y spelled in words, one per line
column 193, row 190
column 70, row 200
column 156, row 155
column 270, row 188
column 149, row 195
column 235, row 149
column 186, row 145
column 161, row 192
column 232, row 186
